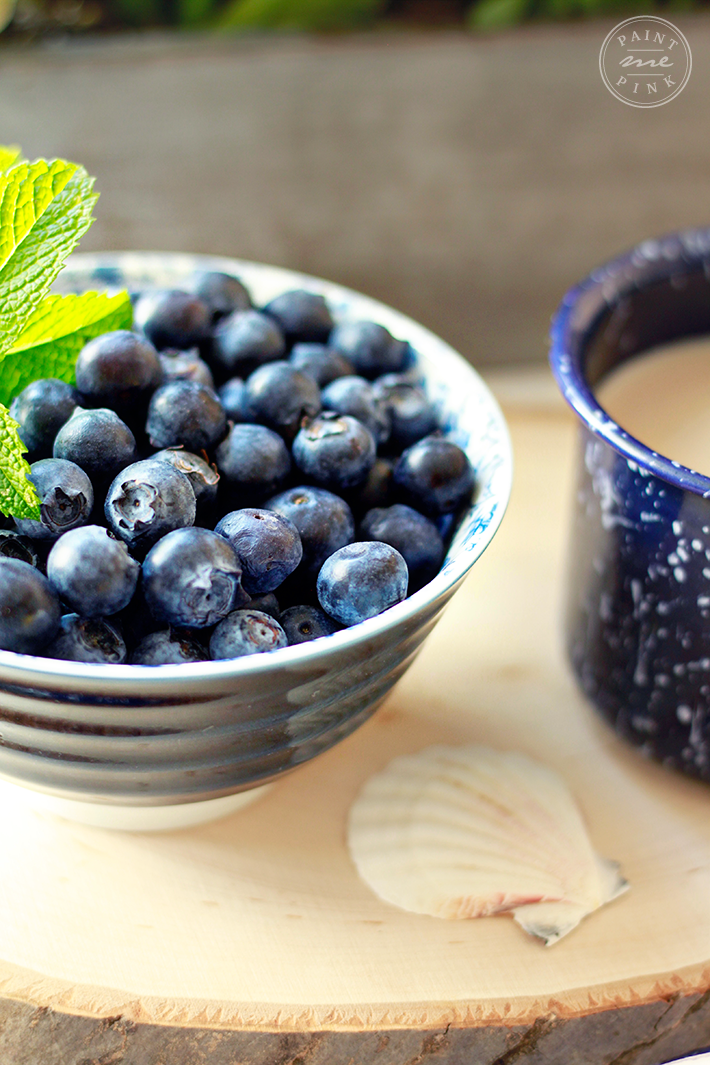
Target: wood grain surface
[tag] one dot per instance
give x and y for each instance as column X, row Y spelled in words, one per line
column 251, row 941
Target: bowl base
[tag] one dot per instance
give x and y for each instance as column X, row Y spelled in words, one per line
column 130, row 818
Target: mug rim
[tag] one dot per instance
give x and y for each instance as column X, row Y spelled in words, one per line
column 576, row 322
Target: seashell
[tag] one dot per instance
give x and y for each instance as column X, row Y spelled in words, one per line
column 459, row 832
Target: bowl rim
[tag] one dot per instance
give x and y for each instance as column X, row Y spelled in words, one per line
column 22, row 668
column 578, row 316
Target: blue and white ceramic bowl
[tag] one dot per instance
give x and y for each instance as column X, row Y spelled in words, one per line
column 638, row 612
column 139, row 747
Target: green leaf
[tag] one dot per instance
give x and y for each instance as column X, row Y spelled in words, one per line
column 194, row 12
column 45, row 208
column 298, row 14
column 18, row 496
column 9, row 155
column 498, row 14
column 56, row 333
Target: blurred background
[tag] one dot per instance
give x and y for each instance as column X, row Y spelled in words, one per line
column 461, row 161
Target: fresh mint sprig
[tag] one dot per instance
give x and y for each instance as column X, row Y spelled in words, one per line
column 45, row 208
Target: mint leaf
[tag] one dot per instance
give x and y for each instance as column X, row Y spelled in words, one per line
column 45, row 208
column 56, row 333
column 9, row 155
column 18, row 495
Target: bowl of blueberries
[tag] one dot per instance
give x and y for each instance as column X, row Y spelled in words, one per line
column 254, row 506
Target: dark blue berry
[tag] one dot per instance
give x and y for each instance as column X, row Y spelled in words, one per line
column 267, row 545
column 361, row 580
column 41, row 410
column 355, row 396
column 304, row 623
column 303, row 316
column 376, row 491
column 117, row 370
column 185, row 414
column 92, row 572
column 320, row 362
column 147, row 500
column 370, row 347
column 98, row 441
column 268, row 603
column 335, row 451
column 324, row 522
column 14, row 545
column 233, row 397
column 410, row 412
column 66, row 497
column 416, row 538
column 203, row 477
column 245, row 340
column 192, row 578
column 168, row 647
column 173, row 319
column 281, row 397
column 185, row 366
column 221, row 292
column 254, row 462
column 434, row 476
column 87, row 640
column 246, row 632
column 29, row 609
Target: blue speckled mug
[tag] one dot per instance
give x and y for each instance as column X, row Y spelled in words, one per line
column 638, row 611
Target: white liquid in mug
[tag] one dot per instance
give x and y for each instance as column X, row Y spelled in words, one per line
column 663, row 399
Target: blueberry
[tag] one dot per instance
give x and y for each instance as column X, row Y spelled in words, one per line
column 147, row 500
column 304, row 623
column 370, row 347
column 117, row 370
column 29, row 609
column 13, row 545
column 267, row 603
column 254, row 461
column 356, row 396
column 192, row 578
column 303, row 316
column 173, row 319
column 98, row 441
column 203, row 477
column 267, row 545
column 92, row 572
column 66, row 497
column 185, row 366
column 324, row 522
column 411, row 414
column 246, row 632
column 281, row 398
column 361, row 580
column 185, row 414
column 416, row 538
column 434, row 476
column 41, row 410
column 87, row 640
column 168, row 647
column 245, row 340
column 320, row 362
column 221, row 292
column 335, row 450
column 233, row 397
column 376, row 491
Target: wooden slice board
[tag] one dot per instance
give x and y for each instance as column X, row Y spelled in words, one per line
column 251, row 941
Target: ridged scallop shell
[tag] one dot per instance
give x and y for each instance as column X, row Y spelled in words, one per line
column 460, row 832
